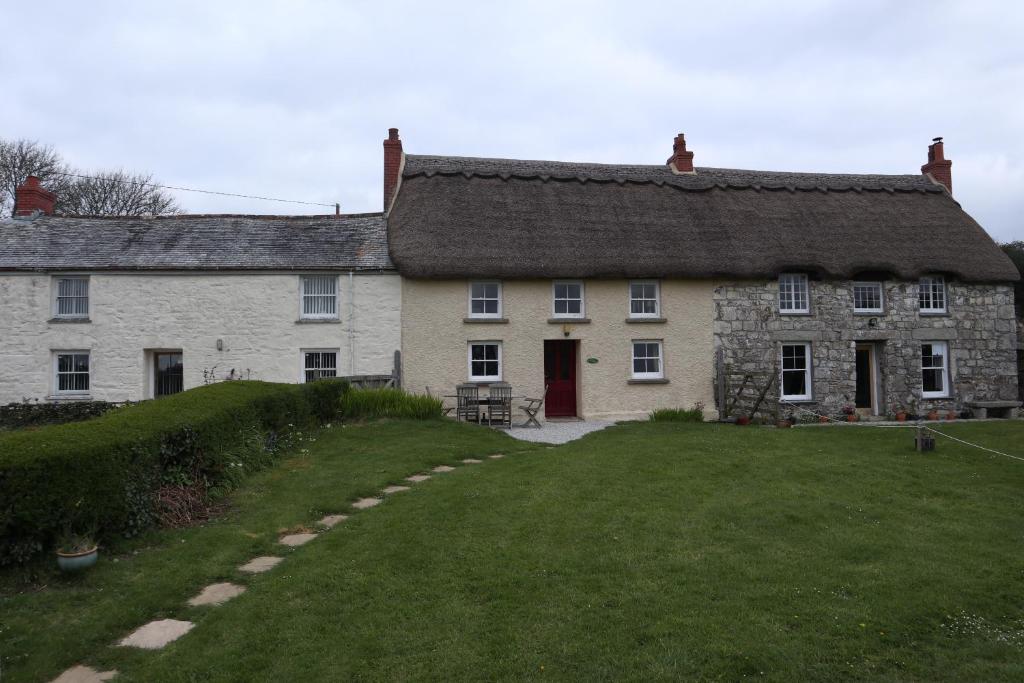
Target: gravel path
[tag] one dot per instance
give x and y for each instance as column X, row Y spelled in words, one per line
column 559, row 432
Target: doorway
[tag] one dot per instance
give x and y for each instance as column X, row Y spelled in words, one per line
column 560, row 378
column 168, row 373
column 867, row 379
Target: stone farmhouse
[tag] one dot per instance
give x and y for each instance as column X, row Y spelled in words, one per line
column 624, row 288
column 611, row 290
column 124, row 309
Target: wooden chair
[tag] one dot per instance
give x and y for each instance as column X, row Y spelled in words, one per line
column 532, row 407
column 499, row 405
column 468, row 407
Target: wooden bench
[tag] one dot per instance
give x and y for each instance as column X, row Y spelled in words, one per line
column 1007, row 409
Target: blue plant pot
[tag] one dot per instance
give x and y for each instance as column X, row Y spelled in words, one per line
column 75, row 562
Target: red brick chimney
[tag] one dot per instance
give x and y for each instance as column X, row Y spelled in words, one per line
column 939, row 167
column 30, row 197
column 392, row 165
column 681, row 161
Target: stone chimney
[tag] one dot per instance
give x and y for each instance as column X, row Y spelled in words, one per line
column 392, row 165
column 30, row 197
column 681, row 161
column 939, row 168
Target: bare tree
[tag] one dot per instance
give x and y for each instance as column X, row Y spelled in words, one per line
column 107, row 193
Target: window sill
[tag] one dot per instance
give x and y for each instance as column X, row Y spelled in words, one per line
column 497, row 321
column 483, row 382
column 633, row 321
column 936, row 398
column 796, row 314
column 69, row 320
column 568, row 321
column 869, row 314
column 318, row 321
column 661, row 380
column 797, row 400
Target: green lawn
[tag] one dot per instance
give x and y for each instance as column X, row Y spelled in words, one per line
column 644, row 552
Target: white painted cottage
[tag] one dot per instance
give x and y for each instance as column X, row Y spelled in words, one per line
column 120, row 309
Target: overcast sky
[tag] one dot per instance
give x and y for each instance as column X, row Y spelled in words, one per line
column 293, row 99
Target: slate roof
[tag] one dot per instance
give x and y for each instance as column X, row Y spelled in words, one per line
column 195, row 242
column 457, row 217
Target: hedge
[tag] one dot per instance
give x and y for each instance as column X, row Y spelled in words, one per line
column 19, row 415
column 101, row 476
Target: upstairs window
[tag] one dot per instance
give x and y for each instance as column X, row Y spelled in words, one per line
column 319, row 297
column 485, row 300
column 796, row 372
column 568, row 299
column 647, row 360
column 644, row 300
column 867, row 297
column 932, row 294
column 485, row 361
column 71, row 297
column 71, row 372
column 793, row 293
column 934, row 370
column 319, row 364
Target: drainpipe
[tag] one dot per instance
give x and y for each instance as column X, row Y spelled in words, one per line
column 351, row 325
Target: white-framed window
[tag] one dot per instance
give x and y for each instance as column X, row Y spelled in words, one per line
column 319, row 364
column 794, row 296
column 71, row 296
column 644, row 299
column 484, row 299
column 647, row 360
column 867, row 297
column 567, row 299
column 932, row 294
column 796, row 371
column 934, row 369
column 70, row 372
column 319, row 297
column 485, row 361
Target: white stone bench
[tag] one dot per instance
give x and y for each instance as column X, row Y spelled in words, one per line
column 1007, row 409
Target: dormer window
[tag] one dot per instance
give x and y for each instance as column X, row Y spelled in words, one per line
column 932, row 294
column 794, row 295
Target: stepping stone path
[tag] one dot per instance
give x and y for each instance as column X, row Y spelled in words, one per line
column 295, row 540
column 258, row 565
column 472, row 461
column 330, row 520
column 84, row 674
column 443, row 468
column 157, row 634
column 417, row 478
column 395, row 489
column 217, row 594
column 496, row 456
column 364, row 503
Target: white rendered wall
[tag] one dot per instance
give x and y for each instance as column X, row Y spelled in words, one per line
column 133, row 314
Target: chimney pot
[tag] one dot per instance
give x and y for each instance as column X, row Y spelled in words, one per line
column 30, row 198
column 392, row 165
column 939, row 168
column 681, row 161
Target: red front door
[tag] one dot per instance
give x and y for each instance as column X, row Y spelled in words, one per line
column 560, row 378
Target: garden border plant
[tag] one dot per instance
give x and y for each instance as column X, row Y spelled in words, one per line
column 107, row 472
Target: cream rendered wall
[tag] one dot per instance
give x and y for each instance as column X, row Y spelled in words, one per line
column 435, row 339
column 254, row 314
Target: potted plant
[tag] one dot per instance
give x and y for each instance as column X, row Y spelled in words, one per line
column 786, row 422
column 823, row 419
column 850, row 412
column 76, row 552
column 901, row 414
column 950, row 415
column 933, row 414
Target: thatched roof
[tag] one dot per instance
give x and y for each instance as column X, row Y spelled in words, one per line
column 194, row 242
column 458, row 217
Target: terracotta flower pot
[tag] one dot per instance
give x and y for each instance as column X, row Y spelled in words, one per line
column 951, row 415
column 784, row 424
column 823, row 419
column 933, row 415
column 901, row 416
column 852, row 417
column 742, row 420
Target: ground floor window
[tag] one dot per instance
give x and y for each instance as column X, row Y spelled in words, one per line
column 319, row 363
column 168, row 373
column 796, row 371
column 485, row 361
column 934, row 370
column 71, row 372
column 647, row 359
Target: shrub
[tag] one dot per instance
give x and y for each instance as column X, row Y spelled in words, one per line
column 19, row 415
column 105, row 473
column 364, row 404
column 694, row 414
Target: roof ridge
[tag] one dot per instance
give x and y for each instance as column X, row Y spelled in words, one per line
column 179, row 216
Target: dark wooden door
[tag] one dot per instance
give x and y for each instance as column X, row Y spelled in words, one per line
column 560, row 378
column 864, row 379
column 169, row 374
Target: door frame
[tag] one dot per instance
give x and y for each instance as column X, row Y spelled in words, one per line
column 575, row 343
column 873, row 384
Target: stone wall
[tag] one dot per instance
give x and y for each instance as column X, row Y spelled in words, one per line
column 979, row 328
column 254, row 315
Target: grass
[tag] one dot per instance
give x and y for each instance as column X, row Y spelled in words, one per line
column 649, row 551
column 366, row 404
